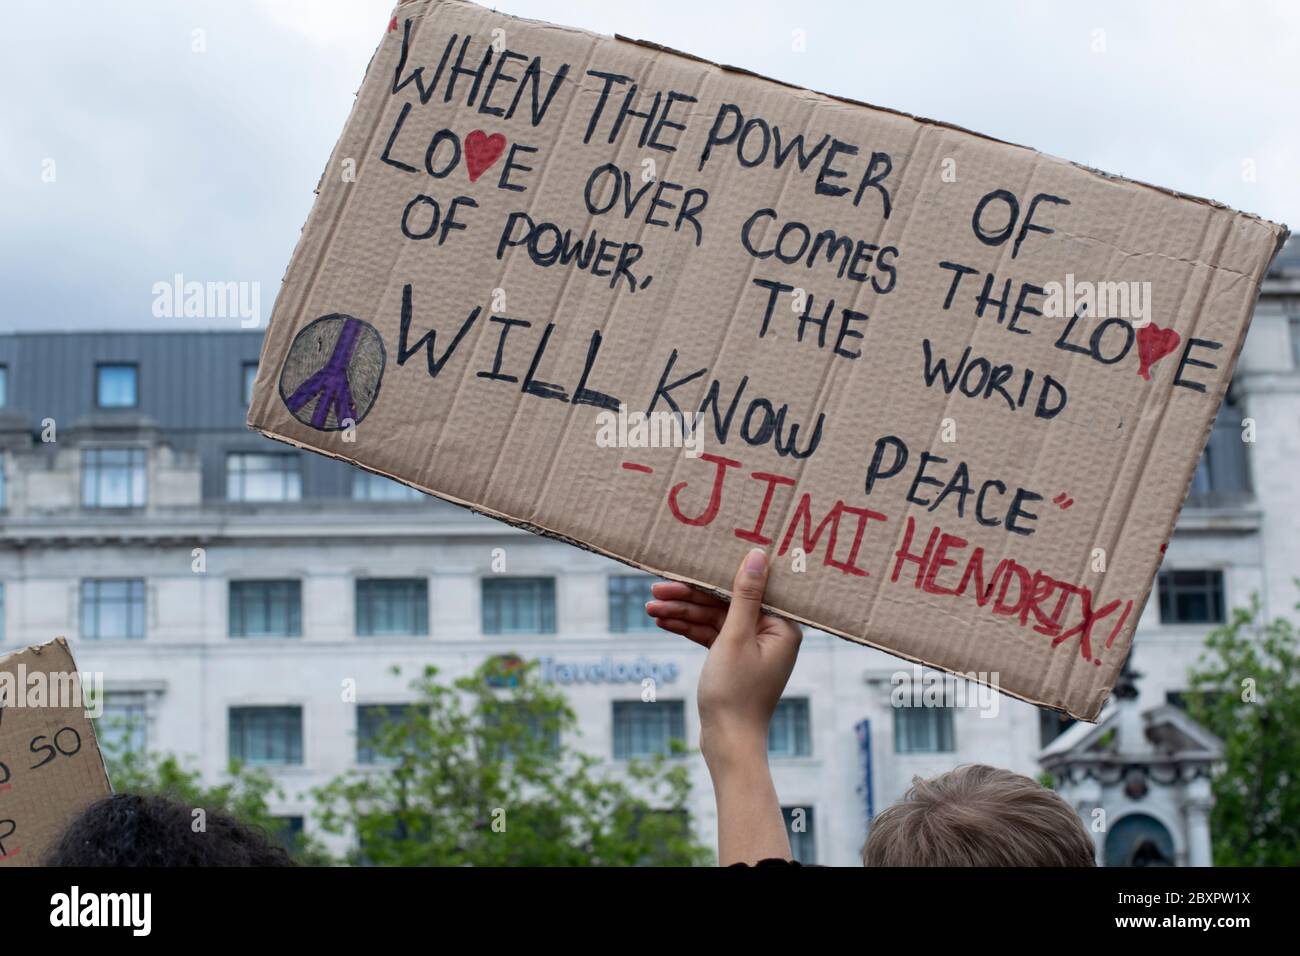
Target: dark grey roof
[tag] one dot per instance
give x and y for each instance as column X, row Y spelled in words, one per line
column 190, row 383
column 186, row 380
column 1288, row 259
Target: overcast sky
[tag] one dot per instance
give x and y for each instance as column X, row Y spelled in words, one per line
column 166, row 160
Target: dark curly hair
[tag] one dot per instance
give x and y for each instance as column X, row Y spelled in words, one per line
column 130, row 829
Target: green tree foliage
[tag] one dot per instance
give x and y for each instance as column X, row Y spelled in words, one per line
column 1246, row 690
column 478, row 773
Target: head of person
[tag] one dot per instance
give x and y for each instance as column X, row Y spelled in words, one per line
column 129, row 829
column 979, row 816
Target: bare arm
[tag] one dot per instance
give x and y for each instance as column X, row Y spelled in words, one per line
column 751, row 655
column 750, row 825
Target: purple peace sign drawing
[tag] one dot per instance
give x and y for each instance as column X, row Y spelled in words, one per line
column 331, row 375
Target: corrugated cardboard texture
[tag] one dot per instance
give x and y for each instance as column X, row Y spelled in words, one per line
column 50, row 764
column 774, row 282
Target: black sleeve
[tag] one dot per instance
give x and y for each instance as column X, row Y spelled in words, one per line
column 774, row 861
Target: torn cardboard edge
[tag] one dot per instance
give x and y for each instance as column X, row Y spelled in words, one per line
column 61, row 643
column 39, row 801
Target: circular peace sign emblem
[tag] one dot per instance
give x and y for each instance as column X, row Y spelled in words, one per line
column 331, row 376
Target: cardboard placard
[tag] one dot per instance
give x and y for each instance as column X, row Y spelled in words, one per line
column 957, row 388
column 50, row 765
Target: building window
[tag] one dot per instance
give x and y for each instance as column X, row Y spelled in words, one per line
column 371, row 721
column 250, row 376
column 122, row 728
column 406, row 828
column 657, row 829
column 1182, row 699
column 543, row 729
column 116, row 386
column 262, row 477
column 266, row 735
column 265, row 608
column 288, row 832
column 787, row 734
column 367, row 486
column 646, row 728
column 113, row 477
column 519, row 606
column 4, row 386
column 628, row 594
column 112, row 609
column 1051, row 725
column 1137, row 839
column 398, row 606
column 1191, row 597
column 923, row 730
column 1222, row 476
column 803, row 838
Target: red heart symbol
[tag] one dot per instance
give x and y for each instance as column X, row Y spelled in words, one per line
column 1154, row 343
column 481, row 151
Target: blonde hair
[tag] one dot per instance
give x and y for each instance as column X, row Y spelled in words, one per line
column 978, row 815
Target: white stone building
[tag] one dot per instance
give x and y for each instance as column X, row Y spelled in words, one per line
column 1143, row 778
column 315, row 573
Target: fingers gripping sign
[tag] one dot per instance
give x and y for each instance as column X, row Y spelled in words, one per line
column 751, row 656
column 751, row 653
